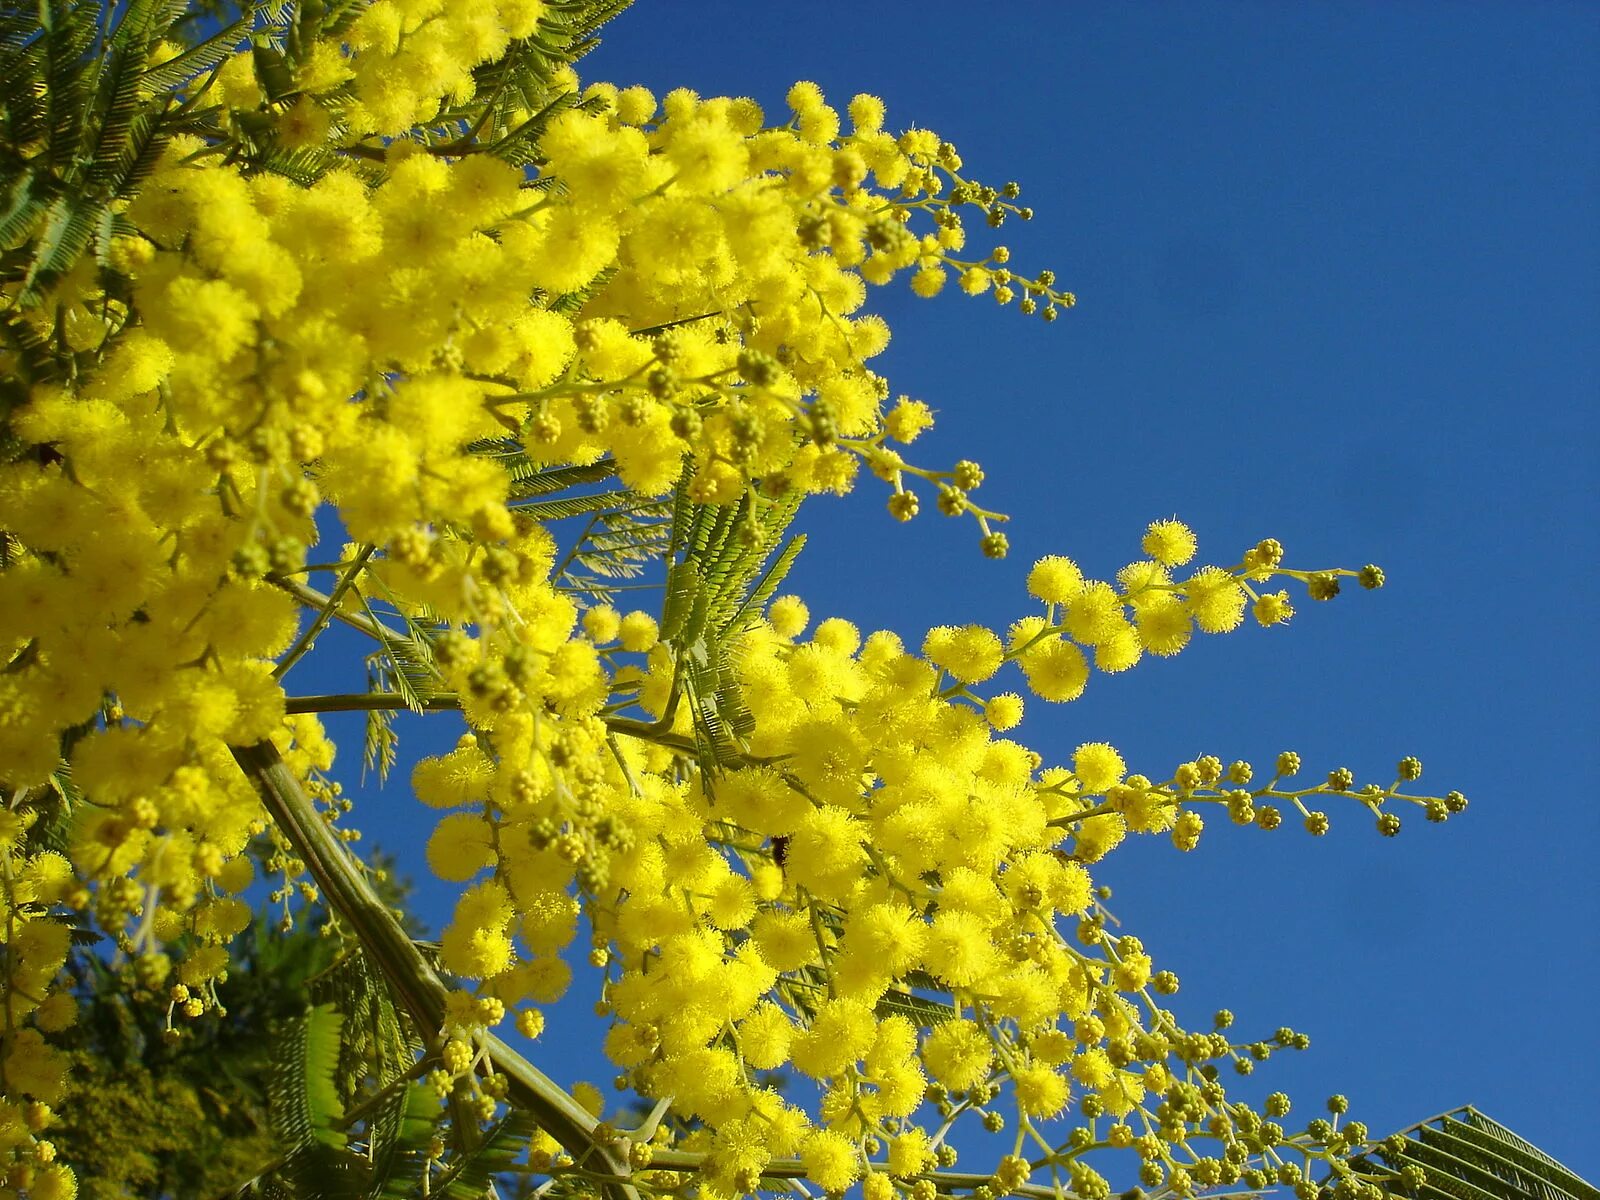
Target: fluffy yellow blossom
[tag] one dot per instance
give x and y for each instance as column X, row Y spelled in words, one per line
column 970, row 653
column 1003, row 712
column 1170, row 543
column 1055, row 579
column 1056, row 670
column 831, row 1159
column 958, row 1054
column 1098, row 766
column 765, row 1036
column 460, row 847
column 1215, row 600
column 1041, row 1091
column 407, row 276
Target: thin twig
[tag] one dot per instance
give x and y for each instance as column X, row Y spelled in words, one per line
column 306, row 639
column 445, row 701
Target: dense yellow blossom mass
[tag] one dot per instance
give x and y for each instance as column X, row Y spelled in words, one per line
column 398, row 272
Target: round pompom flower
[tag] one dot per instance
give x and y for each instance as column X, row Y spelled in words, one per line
column 1004, row 711
column 1164, row 625
column 459, row 777
column 474, row 953
column 1093, row 1068
column 825, row 852
column 958, row 949
column 459, row 847
column 1170, row 543
column 1098, row 766
column 602, row 623
column 760, row 800
column 788, row 616
column 1055, row 579
column 638, row 632
column 958, row 1054
column 970, row 653
column 1056, row 671
column 840, row 1034
column 1216, row 600
column 831, row 1160
column 1041, row 1092
column 764, row 1037
column 1272, row 608
column 1095, row 613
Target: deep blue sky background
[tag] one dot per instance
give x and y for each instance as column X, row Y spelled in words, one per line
column 1337, row 270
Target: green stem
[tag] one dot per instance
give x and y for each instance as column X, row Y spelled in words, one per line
column 312, row 598
column 366, row 702
column 309, row 637
column 443, row 701
column 1099, row 810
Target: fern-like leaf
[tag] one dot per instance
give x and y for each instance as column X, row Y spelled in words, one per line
column 69, row 227
column 398, row 1141
column 469, row 1174
column 771, row 579
column 919, row 1010
column 23, row 209
column 1465, row 1155
column 69, row 31
column 380, row 750
column 528, row 480
column 406, row 663
column 119, row 90
column 203, row 56
column 305, row 1103
column 570, row 506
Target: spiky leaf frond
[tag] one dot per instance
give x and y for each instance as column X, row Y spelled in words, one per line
column 1464, row 1155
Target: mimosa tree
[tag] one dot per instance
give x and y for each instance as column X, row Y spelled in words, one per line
column 392, row 275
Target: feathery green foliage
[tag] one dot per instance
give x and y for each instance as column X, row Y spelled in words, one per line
column 1464, row 1155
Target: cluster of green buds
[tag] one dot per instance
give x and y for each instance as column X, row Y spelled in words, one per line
column 1251, row 802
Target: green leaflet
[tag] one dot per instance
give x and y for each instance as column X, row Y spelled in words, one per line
column 138, row 154
column 568, row 506
column 771, row 579
column 375, row 1042
column 69, row 32
column 919, row 1010
column 119, row 83
column 399, row 1135
column 528, row 479
column 617, row 543
column 273, row 72
column 104, row 117
column 305, row 1099
column 306, row 1110
column 405, row 665
column 1525, row 1156
column 380, row 748
column 338, row 15
column 198, row 58
column 469, row 1174
column 717, row 583
column 35, row 361
column 1468, row 1156
column 304, row 167
column 69, row 226
column 625, row 532
column 22, row 211
column 682, row 584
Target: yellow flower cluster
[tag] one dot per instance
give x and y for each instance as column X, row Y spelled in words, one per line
column 871, row 888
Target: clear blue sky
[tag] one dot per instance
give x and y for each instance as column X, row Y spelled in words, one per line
column 1337, row 270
